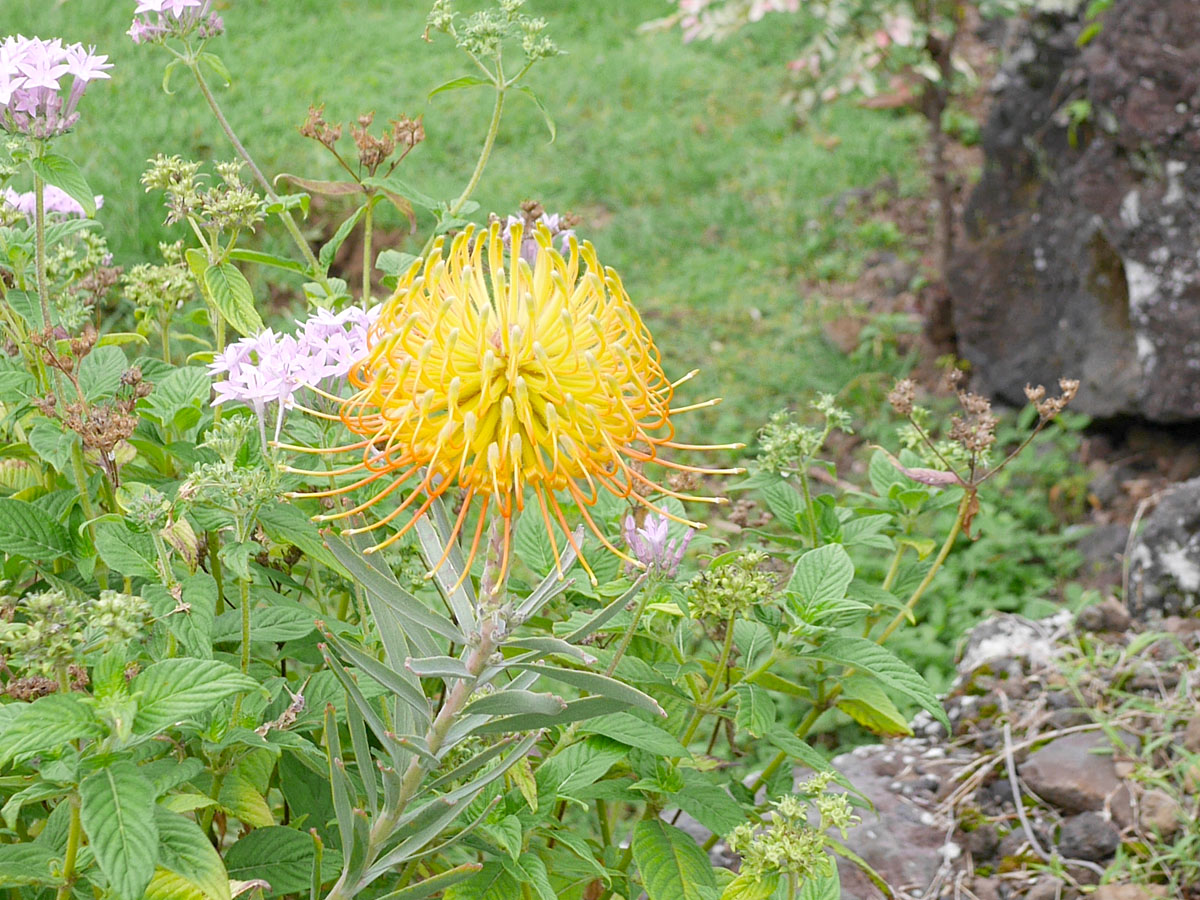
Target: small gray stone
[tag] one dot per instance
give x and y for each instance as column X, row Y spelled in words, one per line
column 1069, row 773
column 1191, row 735
column 1046, row 888
column 1088, row 836
column 1159, row 812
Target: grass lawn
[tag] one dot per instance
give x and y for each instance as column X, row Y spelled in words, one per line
column 686, row 169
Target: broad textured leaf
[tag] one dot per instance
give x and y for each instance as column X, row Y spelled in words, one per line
column 457, row 84
column 167, row 885
column 25, row 530
column 26, row 864
column 822, row 575
column 243, row 801
column 756, row 710
column 867, row 703
column 100, row 372
column 66, row 176
column 282, row 856
column 124, row 550
column 117, row 813
column 673, row 866
column 176, row 690
column 579, row 765
column 532, row 542
column 490, row 883
column 52, row 443
column 634, row 732
column 179, row 398
column 708, row 803
column 868, row 657
column 233, row 298
column 50, row 723
column 186, row 851
column 288, row 525
column 268, row 259
column 749, row 887
column 821, row 887
column 267, row 623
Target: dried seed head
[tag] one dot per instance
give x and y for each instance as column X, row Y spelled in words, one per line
column 902, row 396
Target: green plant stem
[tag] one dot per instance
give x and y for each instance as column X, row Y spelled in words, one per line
column 963, row 507
column 808, row 505
column 714, row 685
column 288, row 222
column 368, row 237
column 74, row 836
column 894, row 569
column 39, row 227
column 491, row 595
column 79, row 473
column 214, row 566
column 628, row 635
column 164, row 324
column 244, row 590
column 748, row 677
column 484, row 154
column 605, row 824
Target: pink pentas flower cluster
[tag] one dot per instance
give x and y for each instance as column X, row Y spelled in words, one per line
column 157, row 20
column 649, row 544
column 555, row 223
column 58, row 202
column 270, row 368
column 716, row 18
column 41, row 83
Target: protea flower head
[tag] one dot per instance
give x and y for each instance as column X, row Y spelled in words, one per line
column 504, row 378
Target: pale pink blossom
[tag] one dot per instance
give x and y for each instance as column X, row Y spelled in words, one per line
column 35, row 97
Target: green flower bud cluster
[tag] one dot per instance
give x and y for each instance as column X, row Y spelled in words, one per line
column 733, row 585
column 792, row 838
column 229, row 205
column 157, row 289
column 787, row 445
column 482, row 34
column 50, row 630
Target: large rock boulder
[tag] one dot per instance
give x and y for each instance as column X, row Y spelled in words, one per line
column 1080, row 256
column 1164, row 567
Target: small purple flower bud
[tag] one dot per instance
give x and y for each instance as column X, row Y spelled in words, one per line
column 651, row 547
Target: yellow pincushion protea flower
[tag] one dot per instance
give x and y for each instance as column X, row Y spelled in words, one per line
column 497, row 380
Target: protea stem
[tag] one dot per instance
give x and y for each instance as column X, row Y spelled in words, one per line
column 492, row 589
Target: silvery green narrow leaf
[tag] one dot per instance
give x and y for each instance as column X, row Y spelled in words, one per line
column 552, row 585
column 339, row 785
column 359, row 702
column 419, row 619
column 543, row 646
column 362, row 751
column 399, row 684
column 576, row 711
column 439, row 882
column 508, row 703
column 438, row 667
column 474, row 764
column 416, row 745
column 314, row 889
column 419, row 844
column 459, row 599
column 600, row 619
column 596, row 684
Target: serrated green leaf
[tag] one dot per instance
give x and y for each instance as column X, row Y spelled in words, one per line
column 489, row 883
column 286, row 524
column 672, row 865
column 755, row 711
column 532, row 543
column 126, row 551
column 231, row 295
column 47, row 724
column 282, row 856
column 26, row 864
column 330, row 248
column 269, row 623
column 100, row 372
column 628, row 729
column 822, row 575
column 176, row 690
column 821, row 887
column 117, row 814
column 25, row 530
column 243, row 801
column 186, row 851
column 52, row 443
column 708, row 803
column 66, row 176
column 751, row 887
column 868, row 657
column 867, row 703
